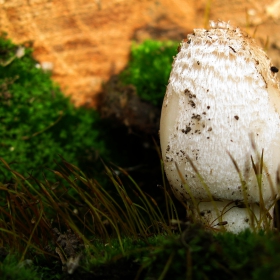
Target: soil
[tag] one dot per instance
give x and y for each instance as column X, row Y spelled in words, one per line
column 85, row 43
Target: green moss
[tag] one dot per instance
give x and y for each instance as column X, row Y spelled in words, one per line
column 197, row 254
column 149, row 68
column 38, row 123
column 10, row 269
column 122, row 235
column 194, row 254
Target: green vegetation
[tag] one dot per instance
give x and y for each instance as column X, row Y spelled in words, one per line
column 12, row 270
column 149, row 68
column 42, row 221
column 67, row 230
column 38, row 122
column 66, row 225
column 197, row 254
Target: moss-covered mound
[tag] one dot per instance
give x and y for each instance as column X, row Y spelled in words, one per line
column 38, row 122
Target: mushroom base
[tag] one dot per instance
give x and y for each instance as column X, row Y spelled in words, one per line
column 233, row 216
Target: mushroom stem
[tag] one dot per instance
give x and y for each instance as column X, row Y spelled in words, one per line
column 233, row 215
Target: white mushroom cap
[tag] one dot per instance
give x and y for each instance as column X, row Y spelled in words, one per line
column 222, row 93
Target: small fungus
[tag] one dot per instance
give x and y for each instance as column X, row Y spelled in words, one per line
column 244, row 98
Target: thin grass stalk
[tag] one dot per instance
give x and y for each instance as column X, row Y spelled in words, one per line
column 174, row 210
column 132, row 209
column 206, row 188
column 108, row 204
column 89, row 202
column 133, row 214
column 167, row 266
column 151, row 214
column 28, row 220
column 142, row 197
column 141, row 220
column 9, row 215
column 64, row 215
column 166, row 199
column 258, row 174
column 23, row 208
column 189, row 264
column 11, row 218
column 159, row 217
column 25, row 241
column 113, row 223
column 271, row 185
column 195, row 204
column 264, row 213
column 115, row 220
column 157, row 208
column 76, row 229
column 145, row 201
column 131, row 218
column 32, row 233
column 107, row 200
column 165, row 191
column 187, row 188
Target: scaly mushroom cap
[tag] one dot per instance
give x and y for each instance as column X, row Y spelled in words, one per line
column 222, row 93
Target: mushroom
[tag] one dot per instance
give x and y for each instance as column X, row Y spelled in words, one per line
column 220, row 129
